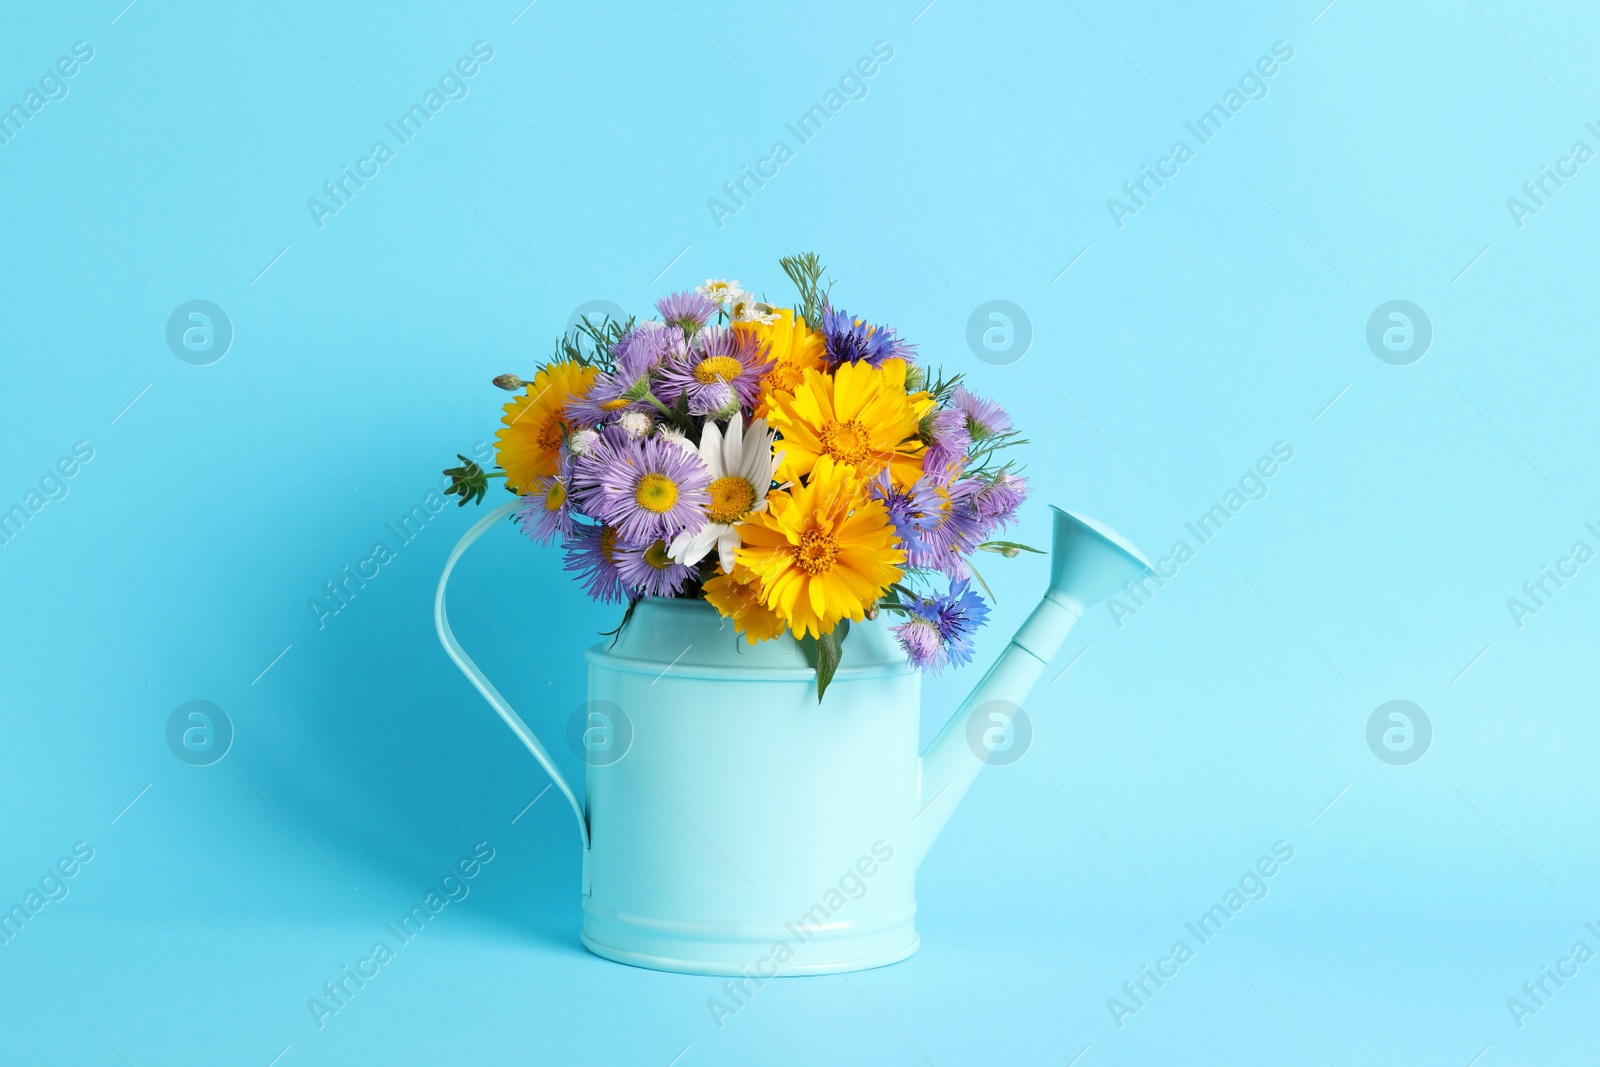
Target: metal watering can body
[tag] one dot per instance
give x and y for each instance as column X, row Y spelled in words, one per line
column 732, row 824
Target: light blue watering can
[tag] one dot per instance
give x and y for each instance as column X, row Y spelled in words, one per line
column 734, row 825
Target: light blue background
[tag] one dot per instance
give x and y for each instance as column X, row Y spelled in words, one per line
column 1225, row 316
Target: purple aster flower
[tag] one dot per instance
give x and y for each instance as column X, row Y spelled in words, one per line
column 640, row 352
column 938, row 630
column 852, row 340
column 721, row 365
column 687, row 311
column 607, row 397
column 954, row 533
column 985, row 418
column 996, row 503
column 650, row 489
column 948, row 440
column 593, row 551
column 649, row 570
column 546, row 510
column 644, row 347
column 600, row 452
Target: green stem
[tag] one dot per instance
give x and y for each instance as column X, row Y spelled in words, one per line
column 681, row 421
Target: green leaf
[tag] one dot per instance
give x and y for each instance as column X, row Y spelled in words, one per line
column 829, row 651
column 992, row 598
column 805, row 270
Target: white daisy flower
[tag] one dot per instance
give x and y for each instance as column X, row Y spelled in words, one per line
column 583, row 441
column 741, row 466
column 742, row 307
column 718, row 289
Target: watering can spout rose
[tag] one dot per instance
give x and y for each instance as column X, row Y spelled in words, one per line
column 789, row 500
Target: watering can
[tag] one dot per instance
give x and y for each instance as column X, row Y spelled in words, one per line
column 732, row 824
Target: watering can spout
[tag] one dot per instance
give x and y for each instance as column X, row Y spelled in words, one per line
column 1088, row 563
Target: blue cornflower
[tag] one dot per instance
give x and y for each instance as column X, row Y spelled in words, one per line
column 852, row 340
column 938, row 630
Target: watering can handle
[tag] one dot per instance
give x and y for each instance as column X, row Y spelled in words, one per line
column 447, row 638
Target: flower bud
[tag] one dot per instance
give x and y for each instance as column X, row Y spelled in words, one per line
column 510, row 382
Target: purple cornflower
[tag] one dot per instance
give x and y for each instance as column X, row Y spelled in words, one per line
column 985, row 418
column 650, row 489
column 649, row 570
column 996, row 502
column 938, row 630
column 593, row 551
column 721, row 364
column 852, row 340
column 948, row 439
column 687, row 311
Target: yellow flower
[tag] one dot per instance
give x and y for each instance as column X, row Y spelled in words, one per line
column 794, row 347
column 535, row 421
column 859, row 415
column 823, row 552
column 737, row 596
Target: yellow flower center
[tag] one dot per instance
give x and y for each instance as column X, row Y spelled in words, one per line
column 847, row 442
column 731, row 500
column 784, row 377
column 656, row 556
column 717, row 369
column 608, row 544
column 943, row 512
column 550, row 433
column 555, row 496
column 817, row 552
column 614, row 404
column 656, row 492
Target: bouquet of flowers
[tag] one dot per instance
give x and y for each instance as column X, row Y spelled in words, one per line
column 795, row 467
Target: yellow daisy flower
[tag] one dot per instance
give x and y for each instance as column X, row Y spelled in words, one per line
column 534, row 422
column 794, row 347
column 823, row 551
column 737, row 596
column 859, row 415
